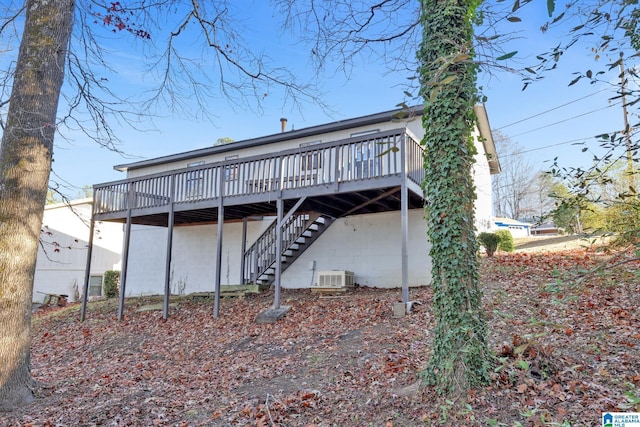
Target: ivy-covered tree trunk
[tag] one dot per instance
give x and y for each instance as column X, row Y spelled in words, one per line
column 460, row 357
column 25, row 163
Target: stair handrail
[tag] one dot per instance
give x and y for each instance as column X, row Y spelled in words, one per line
column 262, row 253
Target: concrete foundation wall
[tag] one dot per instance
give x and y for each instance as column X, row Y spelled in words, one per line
column 368, row 245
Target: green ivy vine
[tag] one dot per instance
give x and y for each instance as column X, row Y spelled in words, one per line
column 460, row 358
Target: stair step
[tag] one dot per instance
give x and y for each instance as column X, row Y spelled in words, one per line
column 316, row 225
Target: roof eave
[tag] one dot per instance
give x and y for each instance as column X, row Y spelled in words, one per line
column 487, row 139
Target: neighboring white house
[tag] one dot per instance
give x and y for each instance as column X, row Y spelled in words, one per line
column 62, row 255
column 545, row 229
column 204, row 217
column 517, row 228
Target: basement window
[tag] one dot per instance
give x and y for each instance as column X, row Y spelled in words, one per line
column 95, row 286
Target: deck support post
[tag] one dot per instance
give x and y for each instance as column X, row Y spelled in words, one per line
column 404, row 224
column 167, row 267
column 125, row 258
column 87, row 271
column 277, row 312
column 243, row 249
column 216, row 303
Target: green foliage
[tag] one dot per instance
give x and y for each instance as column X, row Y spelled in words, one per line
column 623, row 220
column 223, row 141
column 506, row 241
column 460, row 359
column 53, row 197
column 633, row 398
column 489, row 241
column 619, row 202
column 602, row 198
column 566, row 214
column 111, row 283
column 602, row 202
column 594, row 219
column 86, row 191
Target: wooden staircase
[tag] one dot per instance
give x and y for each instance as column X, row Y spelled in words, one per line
column 298, row 233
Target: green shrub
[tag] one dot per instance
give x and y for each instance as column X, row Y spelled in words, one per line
column 490, row 241
column 111, row 283
column 506, row 241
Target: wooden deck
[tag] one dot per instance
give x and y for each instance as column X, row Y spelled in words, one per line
column 351, row 176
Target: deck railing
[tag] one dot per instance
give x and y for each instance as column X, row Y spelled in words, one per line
column 360, row 158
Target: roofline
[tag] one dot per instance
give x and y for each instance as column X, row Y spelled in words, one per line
column 509, row 221
column 481, row 113
column 384, row 116
column 487, row 138
column 70, row 203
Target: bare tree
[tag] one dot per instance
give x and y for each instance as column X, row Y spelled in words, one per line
column 540, row 203
column 25, row 161
column 512, row 187
column 52, row 52
column 342, row 33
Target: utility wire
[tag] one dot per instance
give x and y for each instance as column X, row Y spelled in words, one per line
column 562, row 121
column 552, row 109
column 572, row 141
column 545, row 147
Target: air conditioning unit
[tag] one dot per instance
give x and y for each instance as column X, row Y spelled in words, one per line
column 334, row 279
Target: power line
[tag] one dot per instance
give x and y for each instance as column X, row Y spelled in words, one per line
column 562, row 121
column 572, row 141
column 544, row 147
column 552, row 109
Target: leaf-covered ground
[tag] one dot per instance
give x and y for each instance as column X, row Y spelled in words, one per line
column 566, row 350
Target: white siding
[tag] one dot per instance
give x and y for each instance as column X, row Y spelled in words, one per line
column 62, row 254
column 146, row 262
column 193, row 258
column 368, row 245
column 482, row 182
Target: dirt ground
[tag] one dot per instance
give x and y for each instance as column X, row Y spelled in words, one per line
column 565, row 344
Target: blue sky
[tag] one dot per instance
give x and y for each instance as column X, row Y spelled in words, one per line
column 368, row 90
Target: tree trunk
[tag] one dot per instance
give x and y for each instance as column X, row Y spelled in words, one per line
column 25, row 163
column 460, row 358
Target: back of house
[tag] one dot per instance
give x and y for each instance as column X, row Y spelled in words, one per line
column 340, row 190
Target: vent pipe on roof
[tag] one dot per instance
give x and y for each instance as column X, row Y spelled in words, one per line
column 283, row 124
